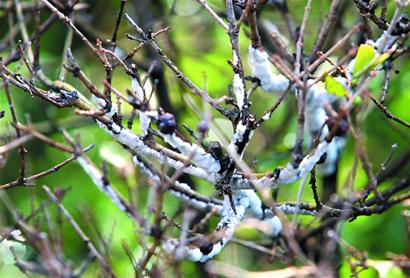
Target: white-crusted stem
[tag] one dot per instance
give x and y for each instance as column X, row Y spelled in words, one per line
column 198, row 155
column 292, row 209
column 225, row 231
column 182, row 190
column 290, row 174
column 246, row 201
column 128, row 138
column 242, row 133
column 239, row 90
column 101, row 182
column 262, row 69
column 258, row 210
column 137, row 88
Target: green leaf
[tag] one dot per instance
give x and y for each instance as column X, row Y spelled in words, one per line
column 386, row 269
column 357, row 101
column 383, row 57
column 334, row 87
column 364, row 58
column 247, row 232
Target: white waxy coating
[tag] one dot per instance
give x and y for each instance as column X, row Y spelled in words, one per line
column 98, row 180
column 197, row 154
column 132, row 141
column 262, row 69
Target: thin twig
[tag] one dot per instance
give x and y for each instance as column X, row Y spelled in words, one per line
column 386, row 112
column 103, row 262
column 27, row 180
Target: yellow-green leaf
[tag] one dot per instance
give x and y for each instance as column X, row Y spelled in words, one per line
column 334, row 87
column 358, row 101
column 247, row 232
column 364, row 58
column 383, row 57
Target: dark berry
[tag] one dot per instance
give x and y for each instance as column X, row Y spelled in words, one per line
column 156, row 232
column 167, row 123
column 202, row 127
column 342, row 128
column 206, row 248
column 59, row 192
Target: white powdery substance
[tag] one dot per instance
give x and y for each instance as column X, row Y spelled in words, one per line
column 256, row 209
column 288, row 209
column 193, row 202
column 317, row 97
column 145, row 169
column 194, row 254
column 98, row 102
column 139, row 92
column 385, row 39
column 238, row 86
column 315, row 114
column 227, row 226
column 181, row 191
column 266, row 116
column 332, row 155
column 145, row 121
column 255, row 204
column 238, row 90
column 238, row 137
column 239, row 182
column 229, row 222
column 272, row 28
column 198, row 155
column 246, row 201
column 262, row 69
column 98, row 180
column 316, row 117
column 101, row 104
column 145, row 116
column 275, row 226
column 132, row 141
column 290, row 174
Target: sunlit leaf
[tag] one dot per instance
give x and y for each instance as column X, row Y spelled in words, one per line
column 364, row 58
column 383, row 57
column 222, row 127
column 247, row 232
column 358, row 101
column 334, row 87
column 386, row 269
